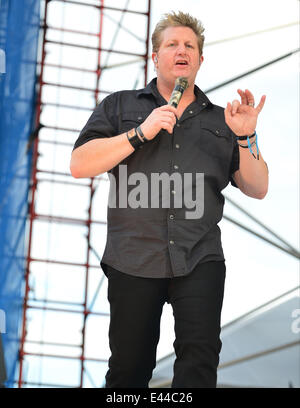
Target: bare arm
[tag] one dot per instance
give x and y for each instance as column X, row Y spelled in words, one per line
column 252, row 177
column 100, row 155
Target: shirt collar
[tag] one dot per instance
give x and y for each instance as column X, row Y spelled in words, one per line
column 151, row 89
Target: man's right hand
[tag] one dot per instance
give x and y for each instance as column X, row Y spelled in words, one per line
column 100, row 155
column 163, row 117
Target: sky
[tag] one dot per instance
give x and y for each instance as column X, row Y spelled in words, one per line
column 256, row 271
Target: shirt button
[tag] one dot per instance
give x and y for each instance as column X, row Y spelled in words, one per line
column 172, row 242
column 176, row 167
column 217, row 132
column 177, row 146
column 190, row 111
column 203, row 104
column 171, row 217
column 178, row 125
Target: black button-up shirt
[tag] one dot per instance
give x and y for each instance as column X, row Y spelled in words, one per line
column 147, row 235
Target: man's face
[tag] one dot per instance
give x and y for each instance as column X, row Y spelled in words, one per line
column 178, row 55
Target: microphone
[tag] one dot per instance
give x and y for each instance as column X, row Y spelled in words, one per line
column 181, row 83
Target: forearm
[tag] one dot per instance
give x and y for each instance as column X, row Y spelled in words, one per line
column 253, row 176
column 99, row 155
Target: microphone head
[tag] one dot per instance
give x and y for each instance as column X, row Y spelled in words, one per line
column 182, row 81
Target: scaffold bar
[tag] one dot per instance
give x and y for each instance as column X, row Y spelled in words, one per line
column 102, row 7
column 54, row 261
column 42, row 383
column 60, row 105
column 68, row 30
column 66, row 220
column 60, row 302
column 68, row 183
column 55, row 142
column 54, row 173
column 56, row 309
column 48, row 343
column 88, row 47
column 27, row 353
column 63, row 129
column 60, row 66
column 78, row 88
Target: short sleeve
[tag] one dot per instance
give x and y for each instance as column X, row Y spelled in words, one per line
column 235, row 162
column 99, row 125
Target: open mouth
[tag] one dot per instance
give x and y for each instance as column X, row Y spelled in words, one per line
column 181, row 63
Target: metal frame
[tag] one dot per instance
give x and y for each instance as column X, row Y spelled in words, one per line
column 30, row 303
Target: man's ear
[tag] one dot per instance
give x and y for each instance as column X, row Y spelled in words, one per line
column 201, row 60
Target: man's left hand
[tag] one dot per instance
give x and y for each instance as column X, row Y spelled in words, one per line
column 241, row 117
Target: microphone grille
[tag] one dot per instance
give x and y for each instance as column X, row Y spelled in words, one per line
column 182, row 81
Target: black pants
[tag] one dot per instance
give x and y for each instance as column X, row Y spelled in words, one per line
column 136, row 306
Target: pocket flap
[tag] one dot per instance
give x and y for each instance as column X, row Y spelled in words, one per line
column 216, row 130
column 138, row 117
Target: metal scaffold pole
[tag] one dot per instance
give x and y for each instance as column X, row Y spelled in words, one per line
column 32, row 201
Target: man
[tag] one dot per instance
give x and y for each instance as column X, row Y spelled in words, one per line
column 157, row 253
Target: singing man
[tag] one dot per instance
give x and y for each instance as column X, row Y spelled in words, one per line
column 154, row 252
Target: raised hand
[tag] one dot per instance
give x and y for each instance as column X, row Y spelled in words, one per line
column 242, row 116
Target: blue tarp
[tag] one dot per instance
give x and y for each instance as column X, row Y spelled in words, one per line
column 19, row 30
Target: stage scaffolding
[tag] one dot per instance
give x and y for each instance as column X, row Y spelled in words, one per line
column 86, row 48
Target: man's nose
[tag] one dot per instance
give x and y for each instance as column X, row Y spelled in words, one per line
column 181, row 49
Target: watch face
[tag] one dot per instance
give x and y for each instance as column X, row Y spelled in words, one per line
column 131, row 132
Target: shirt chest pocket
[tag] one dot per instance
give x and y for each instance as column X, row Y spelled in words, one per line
column 216, row 141
column 129, row 120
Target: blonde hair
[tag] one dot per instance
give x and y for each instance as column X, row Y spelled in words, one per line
column 179, row 19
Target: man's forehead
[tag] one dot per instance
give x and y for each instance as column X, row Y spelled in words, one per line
column 178, row 30
column 181, row 32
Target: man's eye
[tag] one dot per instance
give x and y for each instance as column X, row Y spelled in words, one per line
column 189, row 46
column 171, row 44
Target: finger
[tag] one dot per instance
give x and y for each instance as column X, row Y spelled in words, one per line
column 235, row 106
column 261, row 104
column 169, row 117
column 243, row 97
column 250, row 97
column 168, row 114
column 169, row 108
column 167, row 127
